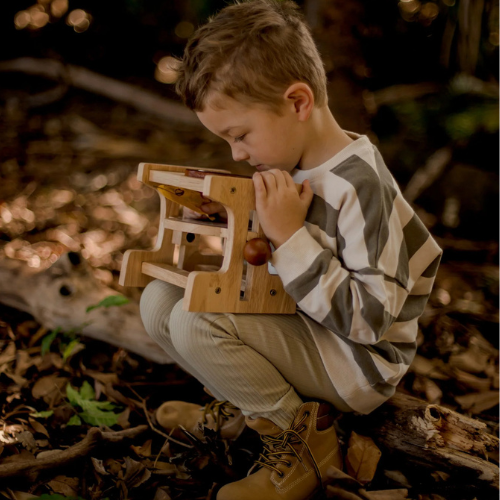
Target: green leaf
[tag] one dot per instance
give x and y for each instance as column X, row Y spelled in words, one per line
column 73, row 395
column 48, row 339
column 112, row 300
column 74, row 346
column 42, row 414
column 97, row 417
column 93, row 412
column 74, row 420
column 87, row 391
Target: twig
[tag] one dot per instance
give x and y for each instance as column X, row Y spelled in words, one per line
column 30, row 469
column 427, row 175
column 151, row 425
column 397, row 93
column 85, row 79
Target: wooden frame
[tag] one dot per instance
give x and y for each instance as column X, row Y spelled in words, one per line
column 235, row 287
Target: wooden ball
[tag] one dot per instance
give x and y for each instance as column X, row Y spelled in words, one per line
column 257, row 251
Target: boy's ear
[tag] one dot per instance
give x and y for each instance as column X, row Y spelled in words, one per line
column 299, row 97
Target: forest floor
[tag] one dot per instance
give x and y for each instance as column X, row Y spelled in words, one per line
column 68, row 183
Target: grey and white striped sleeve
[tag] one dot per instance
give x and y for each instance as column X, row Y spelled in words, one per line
column 363, row 260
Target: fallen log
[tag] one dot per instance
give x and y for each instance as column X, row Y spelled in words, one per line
column 58, row 297
column 433, row 437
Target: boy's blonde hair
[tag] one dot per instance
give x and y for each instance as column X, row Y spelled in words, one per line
column 251, row 51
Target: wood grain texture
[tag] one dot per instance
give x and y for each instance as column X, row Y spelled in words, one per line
column 237, row 286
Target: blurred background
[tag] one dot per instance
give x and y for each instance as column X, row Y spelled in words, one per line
column 83, row 100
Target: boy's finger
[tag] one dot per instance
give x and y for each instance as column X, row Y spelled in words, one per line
column 259, row 186
column 288, row 179
column 212, row 208
column 307, row 193
column 278, row 177
column 269, row 181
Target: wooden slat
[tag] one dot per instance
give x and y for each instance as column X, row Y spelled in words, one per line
column 195, row 226
column 200, row 227
column 167, row 273
column 176, row 179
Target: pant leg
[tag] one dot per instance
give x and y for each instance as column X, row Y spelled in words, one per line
column 262, row 363
column 156, row 304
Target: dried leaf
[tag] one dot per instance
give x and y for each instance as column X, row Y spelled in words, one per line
column 113, row 466
column 427, row 387
column 99, row 466
column 50, row 389
column 433, row 368
column 478, row 383
column 38, row 427
column 400, row 494
column 24, row 361
column 64, row 485
column 440, row 476
column 397, row 477
column 105, row 378
column 340, row 494
column 475, row 359
column 135, row 473
column 7, row 356
column 161, row 494
column 17, row 495
column 144, row 450
column 362, row 458
column 27, row 440
column 477, row 402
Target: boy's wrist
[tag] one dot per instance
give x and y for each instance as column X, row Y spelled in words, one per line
column 282, row 238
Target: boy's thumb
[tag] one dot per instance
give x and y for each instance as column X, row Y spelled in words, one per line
column 307, row 193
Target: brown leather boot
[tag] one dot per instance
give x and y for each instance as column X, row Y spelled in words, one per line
column 294, row 462
column 219, row 416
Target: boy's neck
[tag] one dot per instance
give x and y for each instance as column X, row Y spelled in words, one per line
column 325, row 139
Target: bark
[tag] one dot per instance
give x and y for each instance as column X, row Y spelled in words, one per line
column 434, row 437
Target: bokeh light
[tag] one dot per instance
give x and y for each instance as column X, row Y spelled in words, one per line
column 165, row 70
column 59, row 7
column 184, row 29
column 22, row 19
column 79, row 19
column 430, row 11
column 38, row 17
column 40, row 14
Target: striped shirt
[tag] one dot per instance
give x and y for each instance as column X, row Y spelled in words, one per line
column 361, row 269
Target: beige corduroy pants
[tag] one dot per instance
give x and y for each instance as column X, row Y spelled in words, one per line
column 264, row 364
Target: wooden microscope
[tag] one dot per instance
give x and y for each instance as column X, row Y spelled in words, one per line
column 237, row 286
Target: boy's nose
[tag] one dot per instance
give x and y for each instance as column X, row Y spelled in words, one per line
column 239, row 154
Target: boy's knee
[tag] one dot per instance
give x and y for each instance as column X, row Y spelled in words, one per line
column 196, row 332
column 156, row 303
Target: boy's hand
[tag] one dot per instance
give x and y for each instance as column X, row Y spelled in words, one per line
column 281, row 210
column 209, row 207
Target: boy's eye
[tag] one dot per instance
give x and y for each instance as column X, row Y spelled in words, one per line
column 239, row 138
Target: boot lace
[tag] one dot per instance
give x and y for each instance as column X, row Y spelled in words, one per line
column 220, row 411
column 277, row 448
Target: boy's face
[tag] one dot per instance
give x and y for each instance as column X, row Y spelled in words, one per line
column 256, row 134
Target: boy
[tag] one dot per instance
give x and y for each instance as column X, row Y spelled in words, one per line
column 349, row 250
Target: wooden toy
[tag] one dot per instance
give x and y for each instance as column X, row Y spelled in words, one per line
column 236, row 286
